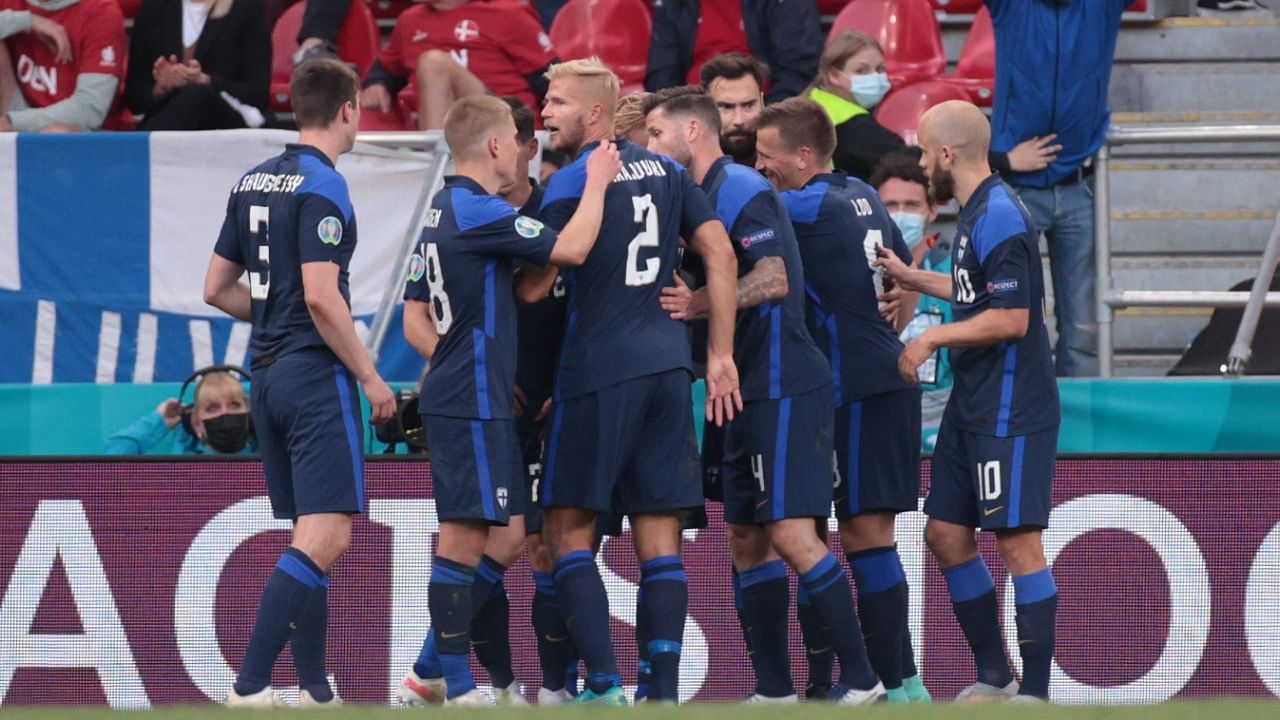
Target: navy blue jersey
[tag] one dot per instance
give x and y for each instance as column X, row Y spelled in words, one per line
column 774, row 352
column 540, row 327
column 290, row 210
column 1008, row 388
column 464, row 267
column 839, row 224
column 617, row 330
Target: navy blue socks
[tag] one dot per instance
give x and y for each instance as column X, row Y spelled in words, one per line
column 449, row 598
column 766, row 593
column 882, row 609
column 1037, row 612
column 490, row 624
column 973, row 598
column 832, row 600
column 586, row 607
column 663, row 603
column 286, row 593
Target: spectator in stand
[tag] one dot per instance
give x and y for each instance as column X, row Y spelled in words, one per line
column 218, row 423
column 785, row 36
column 547, row 10
column 457, row 48
column 850, row 82
column 321, row 22
column 1058, row 85
column 735, row 83
column 904, row 192
column 628, row 118
column 61, row 65
column 199, row 65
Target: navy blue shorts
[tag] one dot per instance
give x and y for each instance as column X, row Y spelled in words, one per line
column 993, row 483
column 712, row 460
column 531, row 461
column 878, row 454
column 777, row 460
column 629, row 448
column 475, row 468
column 306, row 415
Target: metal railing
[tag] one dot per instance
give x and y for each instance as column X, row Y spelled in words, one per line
column 1110, row 297
column 430, row 141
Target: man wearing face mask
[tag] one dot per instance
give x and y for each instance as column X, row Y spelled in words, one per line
column 219, row 419
column 904, row 191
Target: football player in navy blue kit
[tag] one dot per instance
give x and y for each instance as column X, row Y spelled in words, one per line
column 291, row 225
column 994, row 461
column 622, row 436
column 461, row 314
column 776, row 467
column 840, row 225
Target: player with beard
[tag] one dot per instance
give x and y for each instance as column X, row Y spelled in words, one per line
column 840, row 224
column 735, row 82
column 994, row 461
column 622, row 435
column 776, row 467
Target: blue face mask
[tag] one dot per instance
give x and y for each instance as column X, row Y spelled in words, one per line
column 911, row 225
column 868, row 90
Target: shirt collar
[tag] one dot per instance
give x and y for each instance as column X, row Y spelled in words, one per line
column 453, row 181
column 311, row 150
column 714, row 171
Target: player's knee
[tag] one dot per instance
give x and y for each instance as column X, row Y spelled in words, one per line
column 1021, row 550
column 504, row 546
column 950, row 544
column 794, row 540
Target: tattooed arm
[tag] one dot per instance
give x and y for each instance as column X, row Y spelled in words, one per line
column 766, row 281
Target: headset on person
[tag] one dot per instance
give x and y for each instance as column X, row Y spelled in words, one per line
column 237, row 433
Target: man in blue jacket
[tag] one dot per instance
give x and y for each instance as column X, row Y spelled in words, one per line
column 1058, row 84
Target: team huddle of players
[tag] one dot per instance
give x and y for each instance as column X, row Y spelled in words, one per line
column 811, row 397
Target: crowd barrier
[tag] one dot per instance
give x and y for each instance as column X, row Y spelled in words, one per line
column 135, row 583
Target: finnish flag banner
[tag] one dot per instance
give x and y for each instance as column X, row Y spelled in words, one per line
column 105, row 239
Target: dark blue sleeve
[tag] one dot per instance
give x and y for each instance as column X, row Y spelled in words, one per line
column 514, row 236
column 325, row 218
column 1007, row 267
column 564, row 191
column 415, row 287
column 228, row 245
column 755, row 230
column 695, row 206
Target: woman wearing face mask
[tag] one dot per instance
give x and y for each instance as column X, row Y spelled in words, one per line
column 219, row 420
column 851, row 82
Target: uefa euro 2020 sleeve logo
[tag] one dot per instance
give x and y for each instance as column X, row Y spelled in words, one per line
column 330, row 230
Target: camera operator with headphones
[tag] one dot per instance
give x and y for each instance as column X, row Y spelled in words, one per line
column 216, row 421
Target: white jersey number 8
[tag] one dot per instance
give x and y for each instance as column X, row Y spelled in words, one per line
column 442, row 313
column 647, row 215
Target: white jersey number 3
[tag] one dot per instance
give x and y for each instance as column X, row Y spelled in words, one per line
column 259, row 228
column 647, row 215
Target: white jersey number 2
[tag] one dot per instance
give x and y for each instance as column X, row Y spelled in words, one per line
column 647, row 215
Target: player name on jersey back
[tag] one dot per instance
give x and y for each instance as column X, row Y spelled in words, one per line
column 640, row 170
column 269, row 183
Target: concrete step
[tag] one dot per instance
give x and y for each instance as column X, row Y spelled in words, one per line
column 1208, row 86
column 1141, row 331
column 1144, row 364
column 1226, row 184
column 1175, row 233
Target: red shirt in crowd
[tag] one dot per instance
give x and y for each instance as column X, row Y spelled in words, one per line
column 500, row 42
column 719, row 31
column 98, row 45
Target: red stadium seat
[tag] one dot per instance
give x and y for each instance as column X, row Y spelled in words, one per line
column 129, row 8
column 388, row 9
column 957, row 7
column 976, row 69
column 906, row 29
column 901, row 110
column 831, row 7
column 358, row 44
column 617, row 31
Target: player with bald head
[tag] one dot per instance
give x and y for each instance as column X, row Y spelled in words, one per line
column 622, row 436
column 460, row 314
column 994, row 459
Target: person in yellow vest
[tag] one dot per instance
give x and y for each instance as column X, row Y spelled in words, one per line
column 851, row 81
